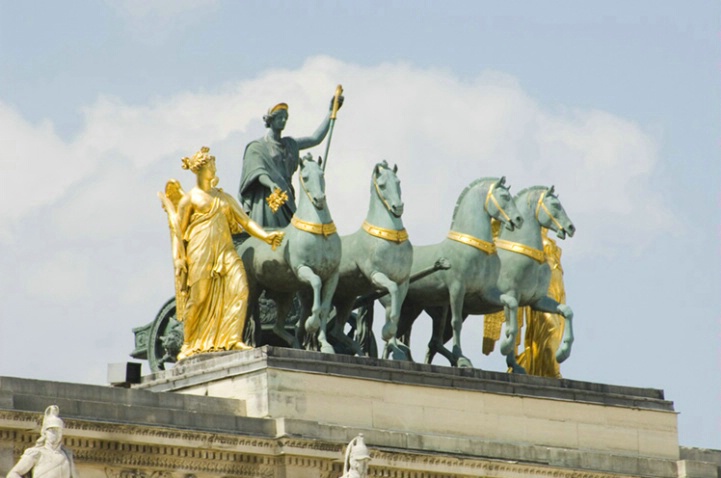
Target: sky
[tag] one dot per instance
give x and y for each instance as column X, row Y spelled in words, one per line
column 615, row 103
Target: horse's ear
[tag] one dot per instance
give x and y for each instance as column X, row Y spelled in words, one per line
column 502, row 181
column 377, row 169
column 550, row 191
column 395, row 168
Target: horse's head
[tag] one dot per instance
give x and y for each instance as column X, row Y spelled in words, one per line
column 388, row 187
column 550, row 214
column 499, row 204
column 312, row 180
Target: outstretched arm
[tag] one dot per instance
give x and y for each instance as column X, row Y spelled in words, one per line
column 316, row 138
column 273, row 238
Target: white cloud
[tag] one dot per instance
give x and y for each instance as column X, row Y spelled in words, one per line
column 63, row 278
column 443, row 132
column 159, row 8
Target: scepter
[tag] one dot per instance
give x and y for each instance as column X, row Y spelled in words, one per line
column 333, row 114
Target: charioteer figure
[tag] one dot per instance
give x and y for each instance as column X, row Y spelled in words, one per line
column 266, row 191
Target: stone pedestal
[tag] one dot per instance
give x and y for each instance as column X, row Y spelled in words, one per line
column 288, row 413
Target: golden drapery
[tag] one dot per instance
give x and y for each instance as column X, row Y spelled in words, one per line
column 218, row 291
column 543, row 330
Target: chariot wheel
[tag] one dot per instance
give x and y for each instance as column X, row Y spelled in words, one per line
column 165, row 337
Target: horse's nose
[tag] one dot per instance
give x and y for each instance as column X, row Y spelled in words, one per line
column 571, row 229
column 518, row 220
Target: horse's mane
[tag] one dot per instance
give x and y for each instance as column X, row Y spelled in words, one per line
column 468, row 188
column 529, row 190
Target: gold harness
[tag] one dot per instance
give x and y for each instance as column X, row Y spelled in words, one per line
column 392, row 235
column 324, row 230
column 517, row 247
column 480, row 244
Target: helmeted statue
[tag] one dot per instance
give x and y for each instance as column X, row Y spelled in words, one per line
column 266, row 191
column 357, row 456
column 48, row 458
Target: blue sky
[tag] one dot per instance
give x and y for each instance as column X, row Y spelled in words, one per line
column 616, row 103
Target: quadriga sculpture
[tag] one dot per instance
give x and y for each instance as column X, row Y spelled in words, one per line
column 377, row 256
column 525, row 274
column 307, row 261
column 474, row 264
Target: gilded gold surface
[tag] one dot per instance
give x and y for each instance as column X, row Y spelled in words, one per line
column 544, row 331
column 210, row 278
column 517, row 247
column 277, row 198
column 336, row 103
column 393, row 235
column 314, row 228
column 480, row 244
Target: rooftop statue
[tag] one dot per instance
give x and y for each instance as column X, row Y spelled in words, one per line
column 48, row 458
column 357, row 456
column 525, row 275
column 211, row 287
column 377, row 256
column 269, row 163
column 474, row 265
column 544, row 330
column 307, row 262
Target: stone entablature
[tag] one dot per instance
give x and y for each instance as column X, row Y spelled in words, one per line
column 129, row 433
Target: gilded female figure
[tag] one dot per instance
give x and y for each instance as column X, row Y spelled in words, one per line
column 268, row 167
column 211, row 287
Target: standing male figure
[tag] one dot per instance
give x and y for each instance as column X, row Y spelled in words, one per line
column 48, row 458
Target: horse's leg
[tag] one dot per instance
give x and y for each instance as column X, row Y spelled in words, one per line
column 306, row 274
column 439, row 316
column 326, row 296
column 508, row 341
column 457, row 293
column 283, row 303
column 342, row 312
column 390, row 302
column 547, row 304
column 305, row 339
column 409, row 313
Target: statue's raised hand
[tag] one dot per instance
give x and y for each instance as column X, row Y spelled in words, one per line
column 340, row 102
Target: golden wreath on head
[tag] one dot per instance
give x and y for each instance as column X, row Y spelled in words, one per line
column 276, row 108
column 198, row 160
column 273, row 111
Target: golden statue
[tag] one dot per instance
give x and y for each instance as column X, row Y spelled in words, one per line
column 543, row 330
column 210, row 284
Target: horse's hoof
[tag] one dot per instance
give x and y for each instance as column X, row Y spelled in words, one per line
column 563, row 353
column 389, row 331
column 463, row 362
column 327, row 348
column 312, row 324
column 508, row 346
